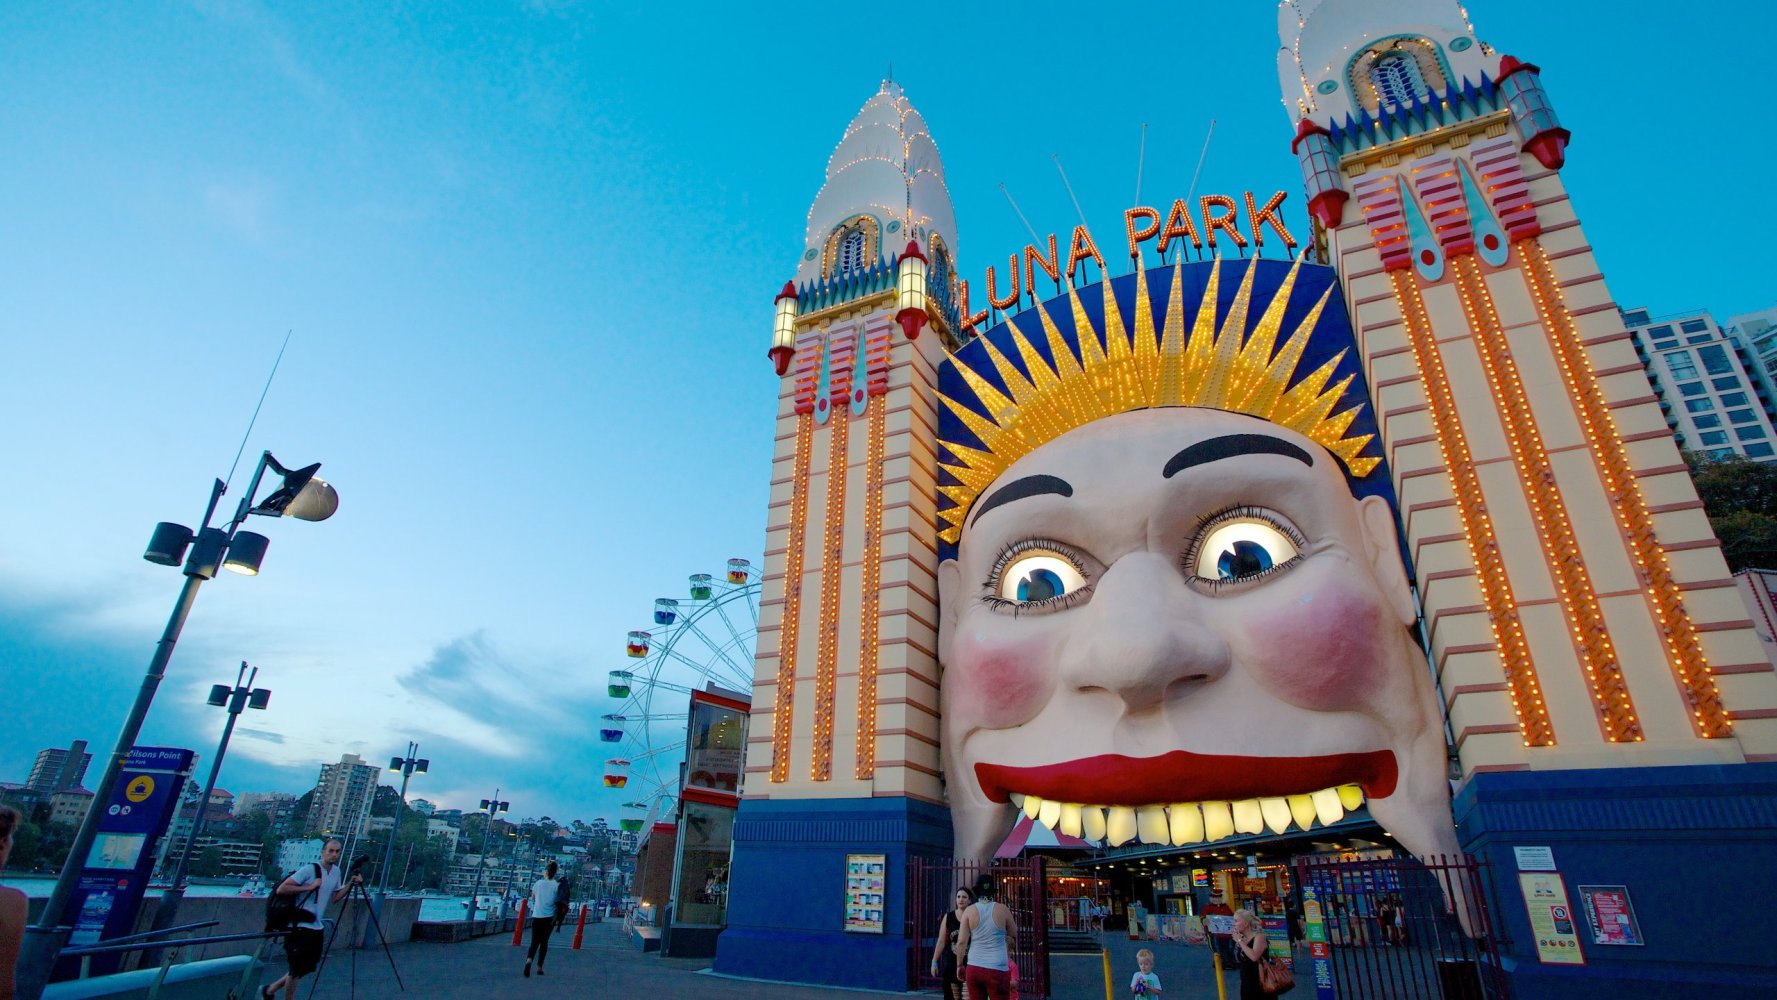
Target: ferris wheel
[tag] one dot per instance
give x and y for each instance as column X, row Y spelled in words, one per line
column 696, row 641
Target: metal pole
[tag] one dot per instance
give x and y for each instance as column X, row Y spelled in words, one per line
column 382, row 889
column 481, row 862
column 175, row 891
column 44, row 939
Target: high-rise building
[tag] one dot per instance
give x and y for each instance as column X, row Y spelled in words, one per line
column 1758, row 332
column 1710, row 385
column 57, row 770
column 342, row 797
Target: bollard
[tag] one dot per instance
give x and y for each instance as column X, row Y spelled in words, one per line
column 580, row 928
column 518, row 931
column 1106, row 953
column 1221, row 987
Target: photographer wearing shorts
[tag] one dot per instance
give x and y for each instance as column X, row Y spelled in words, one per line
column 317, row 890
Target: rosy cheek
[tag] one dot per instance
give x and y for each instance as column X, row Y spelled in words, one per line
column 997, row 683
column 1325, row 650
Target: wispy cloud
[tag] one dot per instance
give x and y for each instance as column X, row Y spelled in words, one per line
column 261, row 734
column 242, row 208
column 270, row 37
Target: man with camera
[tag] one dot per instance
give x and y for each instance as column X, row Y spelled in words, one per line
column 317, row 886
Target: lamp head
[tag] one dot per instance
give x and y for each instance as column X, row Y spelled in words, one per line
column 168, row 543
column 303, row 495
column 395, row 763
column 260, row 698
column 420, row 766
column 246, row 551
column 219, row 694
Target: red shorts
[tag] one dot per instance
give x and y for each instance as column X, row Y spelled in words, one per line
column 988, row 984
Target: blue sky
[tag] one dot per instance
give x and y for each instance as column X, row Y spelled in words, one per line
column 528, row 252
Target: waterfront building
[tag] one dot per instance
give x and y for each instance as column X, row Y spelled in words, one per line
column 442, row 829
column 422, row 806
column 69, row 805
column 343, row 796
column 1758, row 331
column 55, row 770
column 295, row 852
column 1711, row 387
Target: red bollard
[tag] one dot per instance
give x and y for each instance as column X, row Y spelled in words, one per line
column 580, row 928
column 518, row 931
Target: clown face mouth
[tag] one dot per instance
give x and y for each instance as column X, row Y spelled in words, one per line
column 1182, row 798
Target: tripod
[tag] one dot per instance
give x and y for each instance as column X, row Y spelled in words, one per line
column 358, row 892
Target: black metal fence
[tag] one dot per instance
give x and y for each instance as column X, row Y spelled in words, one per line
column 1405, row 929
column 1022, row 886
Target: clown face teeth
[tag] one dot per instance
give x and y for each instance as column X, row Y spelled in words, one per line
column 1301, row 810
column 1276, row 813
column 1247, row 817
column 1350, row 796
column 1092, row 825
column 1150, row 824
column 1070, row 823
column 1185, row 823
column 1217, row 822
column 1119, row 826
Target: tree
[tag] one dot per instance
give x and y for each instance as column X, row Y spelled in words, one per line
column 1740, row 498
column 27, row 841
column 208, row 863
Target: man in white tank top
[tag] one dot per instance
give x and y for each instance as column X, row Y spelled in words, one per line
column 983, row 946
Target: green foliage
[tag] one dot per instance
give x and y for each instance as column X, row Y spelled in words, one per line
column 1740, row 497
column 27, row 846
column 208, row 863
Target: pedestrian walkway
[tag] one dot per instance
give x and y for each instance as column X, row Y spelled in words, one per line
column 608, row 965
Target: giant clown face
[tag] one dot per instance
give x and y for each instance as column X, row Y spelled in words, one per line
column 1174, row 624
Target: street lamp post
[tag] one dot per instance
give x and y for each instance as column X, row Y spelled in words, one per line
column 493, row 806
column 408, row 766
column 303, row 495
column 242, row 696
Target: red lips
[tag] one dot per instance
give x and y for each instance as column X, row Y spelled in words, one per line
column 1182, row 776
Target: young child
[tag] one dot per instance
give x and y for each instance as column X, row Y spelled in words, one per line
column 1145, row 983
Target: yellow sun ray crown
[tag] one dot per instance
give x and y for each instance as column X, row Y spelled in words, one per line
column 1219, row 368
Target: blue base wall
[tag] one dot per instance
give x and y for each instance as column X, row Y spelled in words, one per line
column 786, row 890
column 1696, row 847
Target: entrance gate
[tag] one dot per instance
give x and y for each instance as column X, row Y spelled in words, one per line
column 1023, row 887
column 1394, row 928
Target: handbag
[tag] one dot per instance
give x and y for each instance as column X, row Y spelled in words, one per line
column 1275, row 978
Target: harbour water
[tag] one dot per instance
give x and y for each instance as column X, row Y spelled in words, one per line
column 435, row 909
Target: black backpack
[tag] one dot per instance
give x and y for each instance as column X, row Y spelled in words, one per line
column 564, row 887
column 282, row 912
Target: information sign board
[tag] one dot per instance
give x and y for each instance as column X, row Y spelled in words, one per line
column 1320, row 954
column 1535, row 859
column 866, row 879
column 1551, row 918
column 1611, row 915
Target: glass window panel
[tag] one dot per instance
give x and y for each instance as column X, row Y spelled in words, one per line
column 1725, row 384
column 1693, row 326
column 1751, row 432
column 1661, row 345
column 1742, row 416
column 1758, row 451
column 706, row 837
column 1734, row 399
column 1715, row 360
column 1680, row 364
column 1699, row 405
column 1706, row 420
column 1701, row 338
column 1714, row 437
column 713, row 747
column 1661, row 331
column 1692, row 389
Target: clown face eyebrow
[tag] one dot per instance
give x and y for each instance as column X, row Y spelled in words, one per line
column 1018, row 489
column 1230, row 446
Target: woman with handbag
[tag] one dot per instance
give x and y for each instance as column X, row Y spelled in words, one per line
column 1253, row 949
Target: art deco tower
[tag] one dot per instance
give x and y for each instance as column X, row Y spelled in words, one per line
column 843, row 751
column 1592, row 652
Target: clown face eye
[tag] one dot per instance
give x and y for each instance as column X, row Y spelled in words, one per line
column 1242, row 545
column 1032, row 575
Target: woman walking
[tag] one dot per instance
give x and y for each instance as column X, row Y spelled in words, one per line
column 542, row 918
column 1250, row 945
column 985, row 945
column 944, row 964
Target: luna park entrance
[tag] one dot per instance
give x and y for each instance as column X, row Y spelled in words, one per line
column 1022, row 885
column 1399, row 929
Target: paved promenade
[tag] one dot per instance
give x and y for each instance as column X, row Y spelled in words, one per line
column 609, row 966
